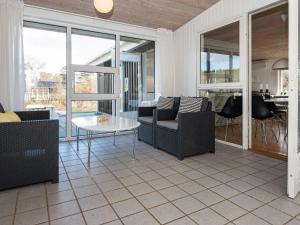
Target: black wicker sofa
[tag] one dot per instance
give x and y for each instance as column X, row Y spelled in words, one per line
column 29, row 150
column 191, row 134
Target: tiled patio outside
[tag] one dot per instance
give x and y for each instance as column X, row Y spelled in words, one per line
column 229, row 187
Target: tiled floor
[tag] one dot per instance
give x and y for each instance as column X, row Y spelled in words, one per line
column 228, row 187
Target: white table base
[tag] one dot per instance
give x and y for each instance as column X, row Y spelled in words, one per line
column 89, row 137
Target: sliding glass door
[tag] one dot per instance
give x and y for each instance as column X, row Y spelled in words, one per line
column 219, row 79
column 79, row 72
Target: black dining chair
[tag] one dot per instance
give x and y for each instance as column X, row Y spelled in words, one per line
column 261, row 113
column 232, row 109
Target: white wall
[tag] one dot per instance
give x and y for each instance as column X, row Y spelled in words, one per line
column 262, row 73
column 186, row 38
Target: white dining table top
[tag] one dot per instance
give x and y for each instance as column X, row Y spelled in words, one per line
column 114, row 124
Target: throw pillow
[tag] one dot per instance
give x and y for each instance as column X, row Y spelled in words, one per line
column 189, row 104
column 9, row 117
column 165, row 103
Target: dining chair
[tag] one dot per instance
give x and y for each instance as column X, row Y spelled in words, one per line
column 261, row 113
column 232, row 109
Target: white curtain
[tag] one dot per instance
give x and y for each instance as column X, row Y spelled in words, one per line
column 12, row 77
column 164, row 80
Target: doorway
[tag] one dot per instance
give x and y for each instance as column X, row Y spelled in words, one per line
column 269, row 82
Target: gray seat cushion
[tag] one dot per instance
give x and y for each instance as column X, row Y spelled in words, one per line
column 146, row 119
column 171, row 124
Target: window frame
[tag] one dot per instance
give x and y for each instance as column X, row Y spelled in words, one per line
column 34, row 15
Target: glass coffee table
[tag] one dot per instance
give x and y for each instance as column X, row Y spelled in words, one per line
column 114, row 124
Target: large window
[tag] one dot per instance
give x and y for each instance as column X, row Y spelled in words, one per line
column 93, row 48
column 220, row 61
column 89, row 74
column 45, row 68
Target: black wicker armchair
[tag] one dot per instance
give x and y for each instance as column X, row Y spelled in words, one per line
column 29, row 150
column 192, row 134
column 146, row 131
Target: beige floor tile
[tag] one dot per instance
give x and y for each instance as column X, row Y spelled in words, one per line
column 150, row 175
column 166, row 213
column 183, row 221
column 181, row 168
column 152, row 199
column 86, row 191
column 223, row 177
column 208, row 182
column 60, row 197
column 123, row 173
column 131, row 180
column 188, row 205
column 103, row 177
column 116, row 222
column 225, row 191
column 69, row 220
column 140, row 189
column 166, row 172
column 8, row 220
column 7, row 207
column 161, row 183
column 208, row 197
column 208, row 170
column 208, row 216
column 286, row 206
column 61, row 186
column 193, row 174
column 261, row 195
column 32, row 191
column 110, row 185
column 173, row 193
column 63, row 209
column 250, row 219
column 100, row 215
column 143, row 218
column 255, row 181
column 31, row 203
column 229, row 210
column 191, row 187
column 246, row 202
column 117, row 195
column 92, row 202
column 240, row 185
column 294, row 222
column 236, row 173
column 127, row 207
column 178, row 179
column 271, row 215
column 85, row 181
column 36, row 216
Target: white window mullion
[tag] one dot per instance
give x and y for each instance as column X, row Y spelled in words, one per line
column 69, row 84
column 117, row 80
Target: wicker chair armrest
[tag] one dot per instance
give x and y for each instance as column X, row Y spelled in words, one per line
column 34, row 115
column 166, row 114
column 37, row 133
column 146, row 111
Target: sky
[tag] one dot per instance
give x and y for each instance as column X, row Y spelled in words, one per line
column 48, row 48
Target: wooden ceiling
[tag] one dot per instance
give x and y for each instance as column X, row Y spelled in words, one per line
column 170, row 14
column 269, row 34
